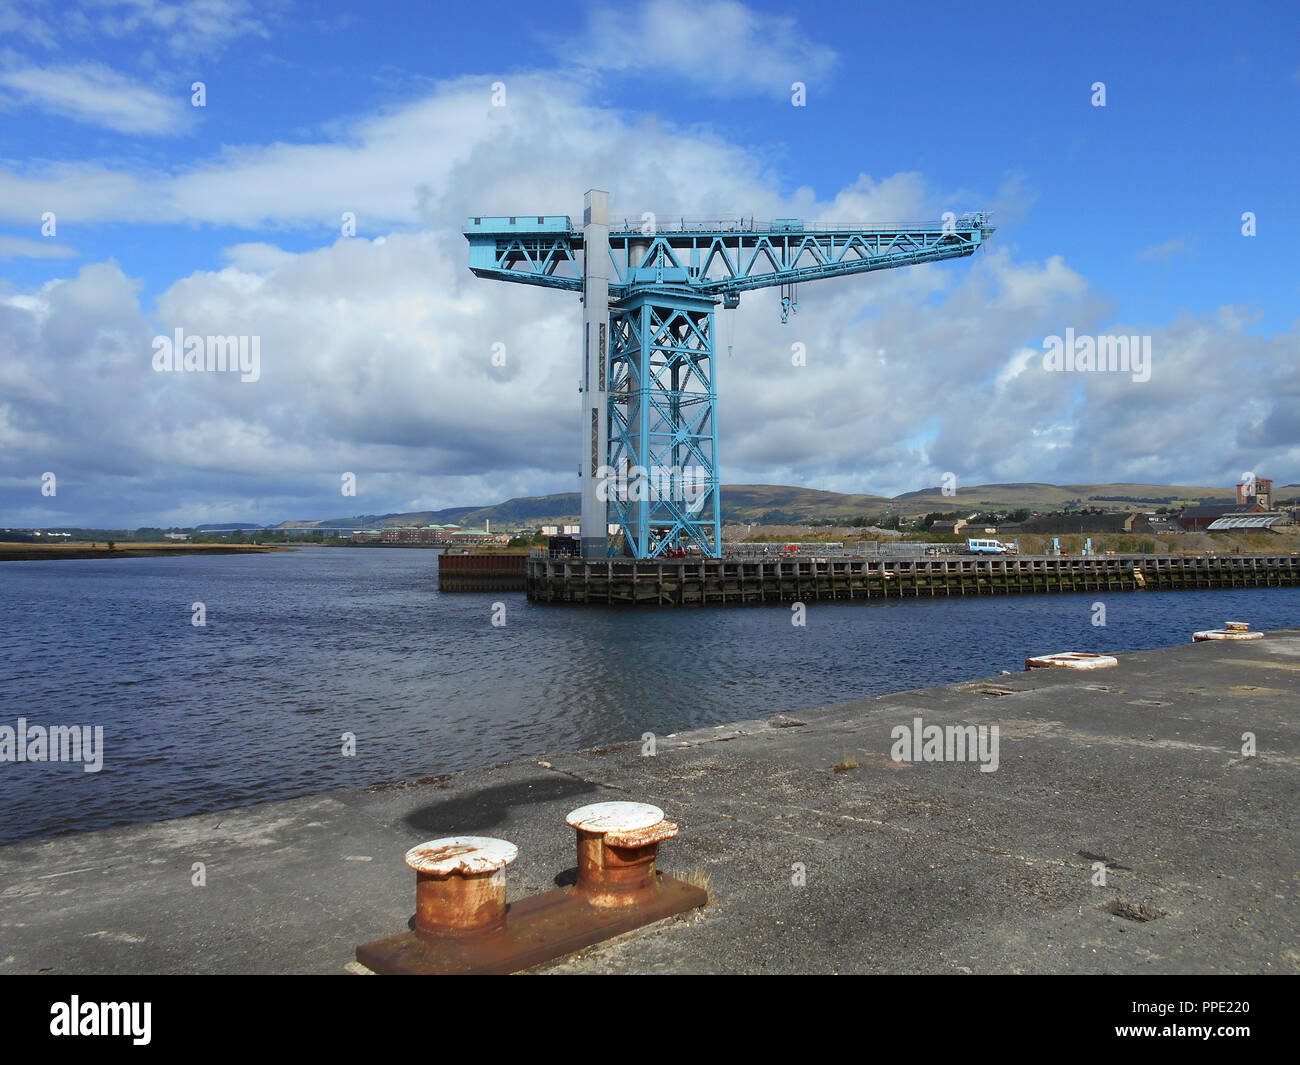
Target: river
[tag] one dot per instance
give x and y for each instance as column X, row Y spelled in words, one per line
column 301, row 647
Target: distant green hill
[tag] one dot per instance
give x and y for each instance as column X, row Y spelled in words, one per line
column 773, row 504
column 778, row 504
column 1034, row 496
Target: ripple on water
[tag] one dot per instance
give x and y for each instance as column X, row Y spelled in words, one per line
column 304, row 646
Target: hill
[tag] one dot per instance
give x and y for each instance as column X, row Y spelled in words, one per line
column 1048, row 497
column 775, row 504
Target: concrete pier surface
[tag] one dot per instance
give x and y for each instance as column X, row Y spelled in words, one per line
column 907, row 867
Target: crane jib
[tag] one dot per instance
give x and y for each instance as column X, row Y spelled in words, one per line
column 547, row 251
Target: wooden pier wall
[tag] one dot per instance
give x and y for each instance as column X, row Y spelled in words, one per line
column 698, row 582
column 482, row 573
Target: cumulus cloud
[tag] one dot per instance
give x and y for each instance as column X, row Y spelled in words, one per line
column 376, row 357
column 433, row 159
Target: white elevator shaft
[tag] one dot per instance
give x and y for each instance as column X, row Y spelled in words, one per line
column 593, row 387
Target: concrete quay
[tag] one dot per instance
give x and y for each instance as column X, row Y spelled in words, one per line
column 907, row 866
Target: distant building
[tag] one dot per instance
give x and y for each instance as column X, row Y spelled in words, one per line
column 1154, row 523
column 418, row 534
column 1257, row 492
column 1197, row 519
column 1254, row 521
column 479, row 536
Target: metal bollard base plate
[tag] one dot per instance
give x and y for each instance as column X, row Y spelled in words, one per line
column 538, row 929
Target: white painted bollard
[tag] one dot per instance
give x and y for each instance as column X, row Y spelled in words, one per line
column 1232, row 630
column 1071, row 660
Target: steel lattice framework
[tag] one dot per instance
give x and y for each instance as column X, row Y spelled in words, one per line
column 663, row 421
column 649, row 394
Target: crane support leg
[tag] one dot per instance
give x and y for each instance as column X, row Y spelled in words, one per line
column 663, row 429
column 593, row 387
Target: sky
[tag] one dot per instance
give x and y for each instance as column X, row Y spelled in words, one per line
column 133, row 204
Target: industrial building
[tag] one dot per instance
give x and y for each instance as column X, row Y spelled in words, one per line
column 1252, row 510
column 443, row 535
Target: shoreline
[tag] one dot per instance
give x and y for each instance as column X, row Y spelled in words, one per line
column 908, row 866
column 23, row 552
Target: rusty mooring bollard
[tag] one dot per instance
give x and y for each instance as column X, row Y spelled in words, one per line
column 617, row 846
column 462, row 922
column 460, row 887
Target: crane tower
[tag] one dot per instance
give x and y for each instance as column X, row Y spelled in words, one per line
column 648, row 387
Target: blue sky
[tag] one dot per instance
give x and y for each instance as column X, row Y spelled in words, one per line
column 1125, row 217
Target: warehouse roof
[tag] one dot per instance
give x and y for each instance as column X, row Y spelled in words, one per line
column 1261, row 520
column 1218, row 510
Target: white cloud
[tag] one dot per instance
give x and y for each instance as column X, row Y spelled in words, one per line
column 96, row 95
column 22, row 248
column 196, row 24
column 1026, row 286
column 1163, row 251
column 437, row 159
column 179, row 28
column 23, row 20
column 376, row 358
column 718, row 47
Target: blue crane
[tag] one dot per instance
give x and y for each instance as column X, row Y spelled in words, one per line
column 648, row 394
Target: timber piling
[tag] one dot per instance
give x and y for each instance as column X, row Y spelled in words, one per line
column 708, row 582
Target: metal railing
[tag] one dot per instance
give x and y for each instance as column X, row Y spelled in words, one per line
column 861, row 549
column 777, row 551
column 791, row 549
column 547, row 553
column 783, row 228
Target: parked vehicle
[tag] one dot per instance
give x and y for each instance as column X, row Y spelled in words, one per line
column 989, row 547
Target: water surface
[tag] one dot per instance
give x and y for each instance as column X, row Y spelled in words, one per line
column 303, row 646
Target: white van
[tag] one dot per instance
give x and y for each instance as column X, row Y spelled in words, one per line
column 989, row 547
